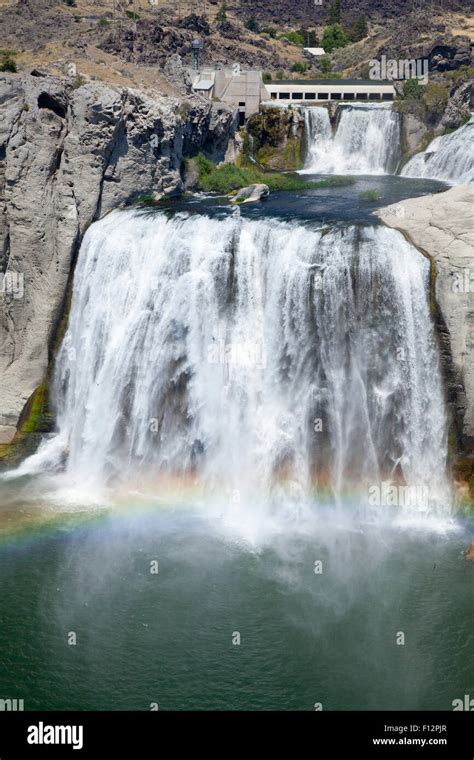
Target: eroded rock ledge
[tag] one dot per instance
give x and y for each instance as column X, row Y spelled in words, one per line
column 68, row 156
column 442, row 226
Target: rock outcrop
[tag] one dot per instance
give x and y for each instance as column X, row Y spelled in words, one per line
column 414, row 134
column 277, row 138
column 442, row 226
column 68, row 156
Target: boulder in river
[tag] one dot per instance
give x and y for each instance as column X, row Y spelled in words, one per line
column 252, row 193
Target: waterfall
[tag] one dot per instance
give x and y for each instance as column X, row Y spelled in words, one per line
column 367, row 140
column 259, row 354
column 318, row 133
column 449, row 158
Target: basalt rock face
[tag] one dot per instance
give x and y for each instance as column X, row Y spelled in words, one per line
column 67, row 157
column 277, row 138
column 442, row 225
column 459, row 106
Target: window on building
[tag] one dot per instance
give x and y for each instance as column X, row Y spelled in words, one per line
column 310, row 96
column 297, row 96
column 323, row 96
column 374, row 96
column 349, row 96
column 284, row 96
column 242, row 104
column 387, row 96
column 336, row 96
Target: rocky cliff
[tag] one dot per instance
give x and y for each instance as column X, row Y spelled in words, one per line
column 442, row 226
column 68, row 155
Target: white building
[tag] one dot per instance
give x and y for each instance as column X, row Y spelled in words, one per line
column 245, row 90
column 238, row 88
column 311, row 90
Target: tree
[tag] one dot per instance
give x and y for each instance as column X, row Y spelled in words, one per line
column 221, row 15
column 309, row 37
column 335, row 12
column 334, row 37
column 252, row 25
column 358, row 30
column 362, row 28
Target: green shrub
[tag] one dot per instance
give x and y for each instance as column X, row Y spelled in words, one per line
column 134, row 16
column 103, row 22
column 280, row 74
column 270, row 30
column 435, row 98
column 7, row 60
column 294, row 37
column 228, row 177
column 221, row 14
column 413, row 90
column 266, row 76
column 334, row 37
column 78, row 81
column 252, row 25
column 184, row 110
column 146, row 200
column 370, row 195
column 325, row 65
column 299, row 67
column 462, row 74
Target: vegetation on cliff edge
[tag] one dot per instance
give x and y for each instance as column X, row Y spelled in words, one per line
column 228, row 177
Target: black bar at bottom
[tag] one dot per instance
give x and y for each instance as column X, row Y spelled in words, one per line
column 142, row 734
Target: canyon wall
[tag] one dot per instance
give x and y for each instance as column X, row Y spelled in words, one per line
column 442, row 226
column 68, row 155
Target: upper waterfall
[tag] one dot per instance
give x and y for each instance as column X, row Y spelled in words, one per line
column 367, row 140
column 253, row 353
column 448, row 157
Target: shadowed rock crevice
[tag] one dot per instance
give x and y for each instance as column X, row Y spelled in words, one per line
column 45, row 100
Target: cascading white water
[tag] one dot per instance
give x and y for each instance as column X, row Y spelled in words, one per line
column 367, row 140
column 250, row 353
column 449, row 158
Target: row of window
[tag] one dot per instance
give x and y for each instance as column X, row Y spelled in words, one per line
column 334, row 96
